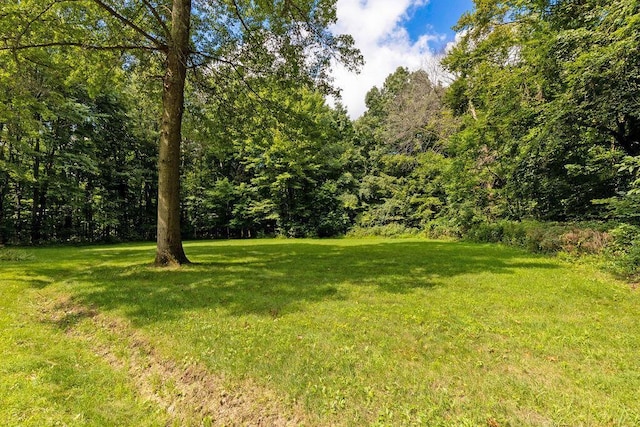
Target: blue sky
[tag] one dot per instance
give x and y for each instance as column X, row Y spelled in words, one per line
column 436, row 17
column 390, row 34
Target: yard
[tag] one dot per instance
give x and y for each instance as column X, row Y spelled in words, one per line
column 315, row 332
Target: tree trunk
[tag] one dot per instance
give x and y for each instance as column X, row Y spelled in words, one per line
column 36, row 218
column 169, row 249
column 4, row 189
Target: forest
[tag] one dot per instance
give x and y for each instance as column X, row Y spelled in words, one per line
column 531, row 124
column 465, row 252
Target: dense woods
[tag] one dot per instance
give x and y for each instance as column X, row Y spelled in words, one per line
column 288, row 40
column 536, row 116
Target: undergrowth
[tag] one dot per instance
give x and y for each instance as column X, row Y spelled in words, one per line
column 7, row 254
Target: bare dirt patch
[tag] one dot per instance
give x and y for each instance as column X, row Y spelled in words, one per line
column 189, row 393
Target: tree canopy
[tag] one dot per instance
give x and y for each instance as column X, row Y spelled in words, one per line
column 540, row 121
column 287, row 39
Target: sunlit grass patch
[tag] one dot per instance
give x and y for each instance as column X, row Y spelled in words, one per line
column 349, row 331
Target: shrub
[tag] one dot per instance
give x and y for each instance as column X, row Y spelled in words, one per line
column 486, row 233
column 387, row 230
column 585, row 241
column 542, row 237
column 514, row 233
column 441, row 229
column 623, row 252
column 14, row 255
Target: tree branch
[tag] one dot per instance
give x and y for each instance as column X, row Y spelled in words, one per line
column 239, row 15
column 234, row 66
column 81, row 45
column 37, row 17
column 158, row 17
column 130, row 24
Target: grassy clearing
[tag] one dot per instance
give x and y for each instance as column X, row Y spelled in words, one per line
column 316, row 332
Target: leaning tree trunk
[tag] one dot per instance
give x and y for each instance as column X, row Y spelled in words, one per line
column 169, row 249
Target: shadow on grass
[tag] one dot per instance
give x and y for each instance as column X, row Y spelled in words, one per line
column 271, row 278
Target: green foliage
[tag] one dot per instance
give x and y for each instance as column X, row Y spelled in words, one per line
column 574, row 239
column 237, row 43
column 78, row 149
column 400, row 142
column 278, row 166
column 626, row 206
column 388, row 230
column 7, row 254
column 624, row 252
column 443, row 228
column 74, row 163
column 544, row 101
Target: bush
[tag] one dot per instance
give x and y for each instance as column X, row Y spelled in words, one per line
column 387, row 230
column 623, row 252
column 585, row 241
column 542, row 237
column 514, row 233
column 14, row 255
column 441, row 229
column 486, row 233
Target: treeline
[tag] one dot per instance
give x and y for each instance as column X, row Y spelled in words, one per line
column 77, row 150
column 540, row 121
column 78, row 153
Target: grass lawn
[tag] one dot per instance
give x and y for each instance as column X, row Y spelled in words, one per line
column 315, row 332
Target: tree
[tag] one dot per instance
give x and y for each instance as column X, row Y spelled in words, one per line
column 288, row 39
column 75, row 162
column 269, row 162
column 548, row 92
column 403, row 138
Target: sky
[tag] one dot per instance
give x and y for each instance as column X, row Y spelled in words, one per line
column 390, row 34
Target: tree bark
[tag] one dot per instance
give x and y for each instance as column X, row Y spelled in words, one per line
column 169, row 242
column 4, row 189
column 36, row 217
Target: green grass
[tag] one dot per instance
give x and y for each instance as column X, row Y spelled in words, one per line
column 316, row 332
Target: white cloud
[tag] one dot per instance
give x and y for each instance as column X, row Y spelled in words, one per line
column 385, row 44
column 455, row 41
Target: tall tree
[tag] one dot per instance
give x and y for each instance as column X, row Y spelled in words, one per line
column 169, row 242
column 403, row 137
column 273, row 163
column 549, row 91
column 74, row 165
column 287, row 38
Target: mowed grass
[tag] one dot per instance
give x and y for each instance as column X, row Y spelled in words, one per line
column 316, row 332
